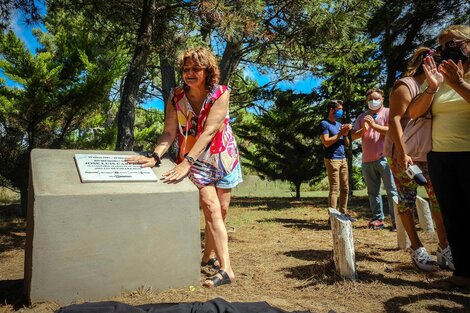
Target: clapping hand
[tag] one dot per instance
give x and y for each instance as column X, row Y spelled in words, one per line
column 368, row 122
column 453, row 73
column 434, row 76
column 345, row 128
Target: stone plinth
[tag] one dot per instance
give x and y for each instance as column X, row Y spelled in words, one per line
column 91, row 241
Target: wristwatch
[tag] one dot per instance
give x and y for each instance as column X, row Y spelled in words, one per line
column 190, row 159
column 155, row 156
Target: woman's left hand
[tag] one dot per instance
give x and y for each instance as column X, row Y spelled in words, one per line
column 453, row 73
column 177, row 173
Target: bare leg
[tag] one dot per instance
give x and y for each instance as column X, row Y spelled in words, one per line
column 224, row 196
column 211, row 207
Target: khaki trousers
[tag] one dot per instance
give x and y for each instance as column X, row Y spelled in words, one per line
column 337, row 171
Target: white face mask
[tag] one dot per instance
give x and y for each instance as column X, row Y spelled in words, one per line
column 374, row 104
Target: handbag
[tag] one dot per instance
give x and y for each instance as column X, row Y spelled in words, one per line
column 417, row 137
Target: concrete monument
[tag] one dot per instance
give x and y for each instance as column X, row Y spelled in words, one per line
column 94, row 240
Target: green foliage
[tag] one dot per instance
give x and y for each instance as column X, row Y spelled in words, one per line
column 282, row 143
column 358, row 182
column 402, row 26
column 59, row 87
column 349, row 70
column 148, row 127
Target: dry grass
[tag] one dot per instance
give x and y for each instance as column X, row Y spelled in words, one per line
column 281, row 252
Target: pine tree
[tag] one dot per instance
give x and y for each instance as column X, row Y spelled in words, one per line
column 56, row 90
column 283, row 142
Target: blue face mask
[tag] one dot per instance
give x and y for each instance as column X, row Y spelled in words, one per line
column 339, row 114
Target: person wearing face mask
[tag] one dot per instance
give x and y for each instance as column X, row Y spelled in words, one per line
column 371, row 127
column 334, row 137
column 447, row 95
column 402, row 94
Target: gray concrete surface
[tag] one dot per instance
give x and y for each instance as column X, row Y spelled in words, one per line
column 91, row 241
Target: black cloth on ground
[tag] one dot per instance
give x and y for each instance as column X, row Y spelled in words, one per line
column 217, row 305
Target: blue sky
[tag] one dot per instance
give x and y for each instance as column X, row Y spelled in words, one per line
column 302, row 84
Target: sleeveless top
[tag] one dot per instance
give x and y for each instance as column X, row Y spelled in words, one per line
column 414, row 89
column 219, row 157
column 450, row 120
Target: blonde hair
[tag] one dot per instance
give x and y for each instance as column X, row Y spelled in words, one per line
column 415, row 64
column 203, row 57
column 460, row 32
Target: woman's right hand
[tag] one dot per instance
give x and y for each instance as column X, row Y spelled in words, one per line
column 433, row 76
column 142, row 160
column 453, row 73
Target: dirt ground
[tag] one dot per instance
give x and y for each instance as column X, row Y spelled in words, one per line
column 281, row 252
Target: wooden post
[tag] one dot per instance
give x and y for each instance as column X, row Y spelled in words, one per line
column 402, row 237
column 343, row 244
column 424, row 215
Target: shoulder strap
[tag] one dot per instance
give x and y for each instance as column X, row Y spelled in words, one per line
column 176, row 95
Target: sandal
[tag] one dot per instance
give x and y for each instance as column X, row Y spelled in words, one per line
column 211, row 263
column 217, row 280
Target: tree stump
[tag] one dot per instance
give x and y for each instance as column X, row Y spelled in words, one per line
column 402, row 237
column 343, row 244
column 424, row 215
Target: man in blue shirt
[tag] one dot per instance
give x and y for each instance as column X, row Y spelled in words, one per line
column 334, row 137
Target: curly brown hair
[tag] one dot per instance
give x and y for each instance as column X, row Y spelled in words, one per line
column 377, row 90
column 202, row 57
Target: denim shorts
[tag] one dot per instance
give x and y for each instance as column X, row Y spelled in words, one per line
column 232, row 179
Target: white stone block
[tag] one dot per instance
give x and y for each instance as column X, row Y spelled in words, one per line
column 402, row 237
column 424, row 215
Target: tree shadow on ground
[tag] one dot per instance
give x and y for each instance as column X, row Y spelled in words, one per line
column 271, row 203
column 358, row 204
column 322, row 271
column 396, row 304
column 12, row 228
column 372, row 257
column 310, row 255
column 368, row 276
column 12, row 293
column 297, row 223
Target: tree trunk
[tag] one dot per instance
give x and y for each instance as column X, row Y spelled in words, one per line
column 344, row 255
column 126, row 114
column 350, row 167
column 168, row 78
column 230, row 60
column 297, row 191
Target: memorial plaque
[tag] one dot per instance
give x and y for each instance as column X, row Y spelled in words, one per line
column 111, row 168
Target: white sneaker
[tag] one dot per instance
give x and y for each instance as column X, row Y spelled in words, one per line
column 423, row 260
column 444, row 258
